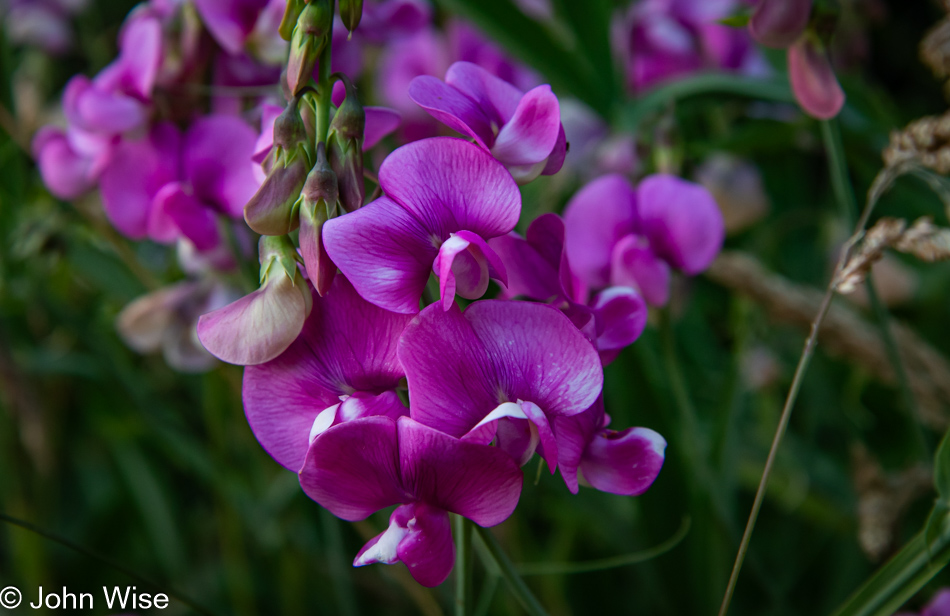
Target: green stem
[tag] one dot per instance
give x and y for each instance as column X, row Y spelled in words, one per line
column 844, row 194
column 507, row 569
column 324, row 89
column 463, row 566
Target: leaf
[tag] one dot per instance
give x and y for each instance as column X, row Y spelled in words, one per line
column 942, row 469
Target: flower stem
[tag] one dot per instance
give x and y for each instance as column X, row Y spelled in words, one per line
column 507, row 569
column 324, row 90
column 884, row 179
column 463, row 566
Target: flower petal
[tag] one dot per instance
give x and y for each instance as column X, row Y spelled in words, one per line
column 497, row 98
column 621, row 315
column 636, row 266
column 65, row 172
column 530, row 135
column 449, row 185
column 217, row 159
column 453, row 108
column 258, row 327
column 558, row 154
column 682, row 221
column 352, row 469
column 595, row 219
column 625, row 462
column 347, row 347
column 573, row 435
column 380, row 121
column 479, row 482
column 230, row 22
column 191, row 216
column 384, row 251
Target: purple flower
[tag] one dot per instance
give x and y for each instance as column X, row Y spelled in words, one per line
column 230, row 21
column 522, row 130
column 667, row 39
column 167, row 185
column 538, row 268
column 359, row 467
column 625, row 462
column 444, row 198
column 260, row 326
column 618, row 236
column 520, row 362
column 393, row 19
column 341, row 367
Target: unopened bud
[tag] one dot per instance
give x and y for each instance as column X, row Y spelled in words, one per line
column 319, row 203
column 277, row 251
column 345, row 148
column 289, row 129
column 291, row 13
column 351, row 11
column 310, row 37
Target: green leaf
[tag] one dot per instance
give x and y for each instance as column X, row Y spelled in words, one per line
column 942, row 469
column 906, row 573
column 573, row 58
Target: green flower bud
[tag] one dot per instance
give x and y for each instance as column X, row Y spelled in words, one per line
column 289, row 20
column 309, row 38
column 351, row 11
column 345, row 148
column 319, row 203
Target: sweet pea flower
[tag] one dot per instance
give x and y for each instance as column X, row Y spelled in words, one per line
column 260, row 326
column 341, row 367
column 538, row 269
column 620, row 237
column 521, row 130
column 359, row 467
column 444, row 198
column 230, row 22
column 625, row 463
column 167, row 185
column 501, row 370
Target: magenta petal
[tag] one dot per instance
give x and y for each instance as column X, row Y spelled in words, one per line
column 453, row 108
column 779, row 23
column 595, row 219
column 380, row 121
column 621, row 316
column 109, row 112
column 258, row 327
column 446, row 267
column 134, row 176
column 636, row 266
column 547, row 445
column 558, row 154
column 141, row 54
column 530, row 135
column 573, row 435
column 230, row 21
column 681, row 220
column 384, row 251
column 193, row 219
column 529, row 274
column 265, row 141
column 625, row 462
column 217, row 159
column 449, row 185
column 352, row 469
column 479, row 482
column 347, row 346
column 65, row 172
column 496, row 97
column 813, row 80
column 428, row 550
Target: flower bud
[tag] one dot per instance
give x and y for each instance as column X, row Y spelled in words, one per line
column 272, row 210
column 779, row 23
column 310, row 37
column 345, row 148
column 813, row 80
column 351, row 11
column 289, row 20
column 319, row 203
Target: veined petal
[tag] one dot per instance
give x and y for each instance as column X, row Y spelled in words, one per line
column 621, row 315
column 453, row 108
column 496, row 97
column 530, row 135
column 479, row 482
column 681, row 220
column 635, row 265
column 595, row 219
column 446, row 268
column 258, row 327
column 352, row 469
column 624, row 462
column 448, row 185
column 384, row 251
column 573, row 435
column 347, row 347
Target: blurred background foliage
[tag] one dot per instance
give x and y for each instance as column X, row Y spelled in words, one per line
column 159, row 471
